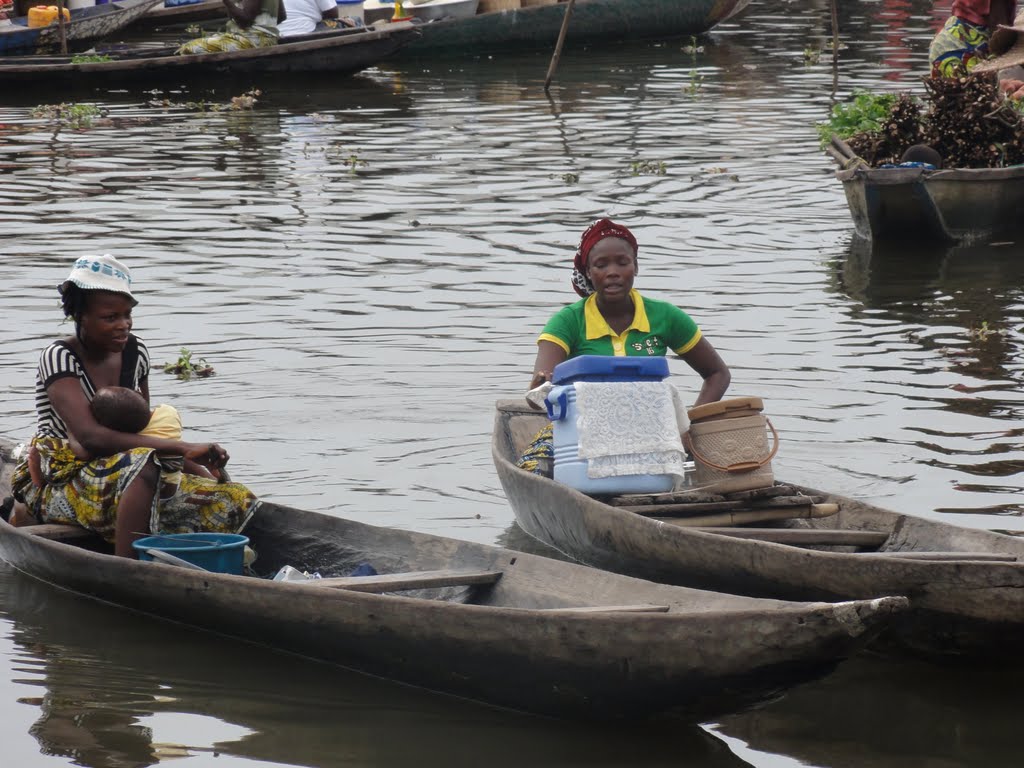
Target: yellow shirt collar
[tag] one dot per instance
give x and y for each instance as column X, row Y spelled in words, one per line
column 597, row 326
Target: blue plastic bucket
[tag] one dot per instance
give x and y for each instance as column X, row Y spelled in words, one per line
column 217, row 552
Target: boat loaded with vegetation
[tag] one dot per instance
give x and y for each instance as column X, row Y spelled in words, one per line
column 975, row 190
column 966, row 586
column 503, row 627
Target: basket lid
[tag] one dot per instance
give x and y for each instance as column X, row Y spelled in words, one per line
column 734, row 406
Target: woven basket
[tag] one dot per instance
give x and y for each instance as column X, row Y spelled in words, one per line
column 486, row 6
column 729, row 443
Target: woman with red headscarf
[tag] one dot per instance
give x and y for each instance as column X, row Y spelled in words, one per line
column 613, row 318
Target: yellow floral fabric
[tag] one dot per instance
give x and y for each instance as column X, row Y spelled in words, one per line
column 87, row 493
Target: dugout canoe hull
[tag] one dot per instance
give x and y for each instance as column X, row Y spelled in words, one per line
column 529, row 640
column 956, row 205
column 530, row 27
column 343, row 53
column 959, row 607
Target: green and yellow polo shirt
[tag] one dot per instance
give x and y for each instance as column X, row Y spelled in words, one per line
column 657, row 326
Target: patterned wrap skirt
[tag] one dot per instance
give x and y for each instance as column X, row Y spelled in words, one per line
column 87, row 493
column 234, row 38
column 958, row 48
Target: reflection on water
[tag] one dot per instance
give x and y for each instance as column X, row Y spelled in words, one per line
column 892, row 713
column 139, row 692
column 366, row 263
column 960, row 306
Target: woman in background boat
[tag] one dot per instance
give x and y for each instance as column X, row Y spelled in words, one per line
column 963, row 41
column 613, row 318
column 115, row 493
column 253, row 24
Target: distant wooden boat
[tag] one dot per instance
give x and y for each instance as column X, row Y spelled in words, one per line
column 962, row 205
column 481, row 622
column 966, row 586
column 533, row 26
column 85, row 27
column 343, row 52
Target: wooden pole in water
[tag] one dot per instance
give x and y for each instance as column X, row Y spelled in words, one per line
column 63, row 35
column 835, row 48
column 561, row 41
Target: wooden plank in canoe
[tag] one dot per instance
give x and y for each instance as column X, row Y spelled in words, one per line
column 989, row 556
column 743, row 516
column 641, row 608
column 57, row 531
column 688, row 508
column 394, row 582
column 833, row 536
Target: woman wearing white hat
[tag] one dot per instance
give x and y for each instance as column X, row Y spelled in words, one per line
column 114, row 492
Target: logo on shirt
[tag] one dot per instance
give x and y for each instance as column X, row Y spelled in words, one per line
column 652, row 345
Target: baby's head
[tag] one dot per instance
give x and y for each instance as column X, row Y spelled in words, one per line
column 120, row 408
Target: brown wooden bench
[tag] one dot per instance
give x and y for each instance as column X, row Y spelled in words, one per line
column 394, row 582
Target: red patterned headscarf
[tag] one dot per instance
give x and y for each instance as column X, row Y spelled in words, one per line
column 594, row 234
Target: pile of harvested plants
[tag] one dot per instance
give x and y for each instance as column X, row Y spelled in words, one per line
column 967, row 120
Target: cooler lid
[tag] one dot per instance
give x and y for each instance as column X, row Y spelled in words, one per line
column 605, row 368
column 725, row 408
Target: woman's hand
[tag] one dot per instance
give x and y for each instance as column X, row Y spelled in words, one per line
column 207, row 454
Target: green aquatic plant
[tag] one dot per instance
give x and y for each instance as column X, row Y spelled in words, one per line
column 69, row 115
column 185, row 367
column 88, row 58
column 865, row 112
column 648, row 167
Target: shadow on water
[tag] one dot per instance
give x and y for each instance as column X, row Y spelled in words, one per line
column 139, row 691
column 889, row 713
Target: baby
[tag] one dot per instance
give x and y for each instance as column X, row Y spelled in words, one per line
column 126, row 410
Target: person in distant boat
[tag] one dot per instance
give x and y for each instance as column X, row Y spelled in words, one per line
column 115, row 493
column 252, row 24
column 304, row 15
column 963, row 41
column 613, row 318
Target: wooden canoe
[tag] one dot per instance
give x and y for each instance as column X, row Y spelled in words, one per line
column 486, row 623
column 340, row 53
column 966, row 586
column 961, row 205
column 85, row 27
column 534, row 26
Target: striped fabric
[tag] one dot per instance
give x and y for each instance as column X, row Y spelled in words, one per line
column 59, row 361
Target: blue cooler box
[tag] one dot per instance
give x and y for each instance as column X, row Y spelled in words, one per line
column 569, row 468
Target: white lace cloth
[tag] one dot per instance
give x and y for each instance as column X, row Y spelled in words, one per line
column 630, row 428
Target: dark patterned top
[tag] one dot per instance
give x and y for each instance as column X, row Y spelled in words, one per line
column 58, row 361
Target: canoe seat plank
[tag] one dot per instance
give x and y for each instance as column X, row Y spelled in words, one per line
column 640, row 608
column 393, row 582
column 57, row 531
column 743, row 516
column 990, row 556
column 834, row 536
